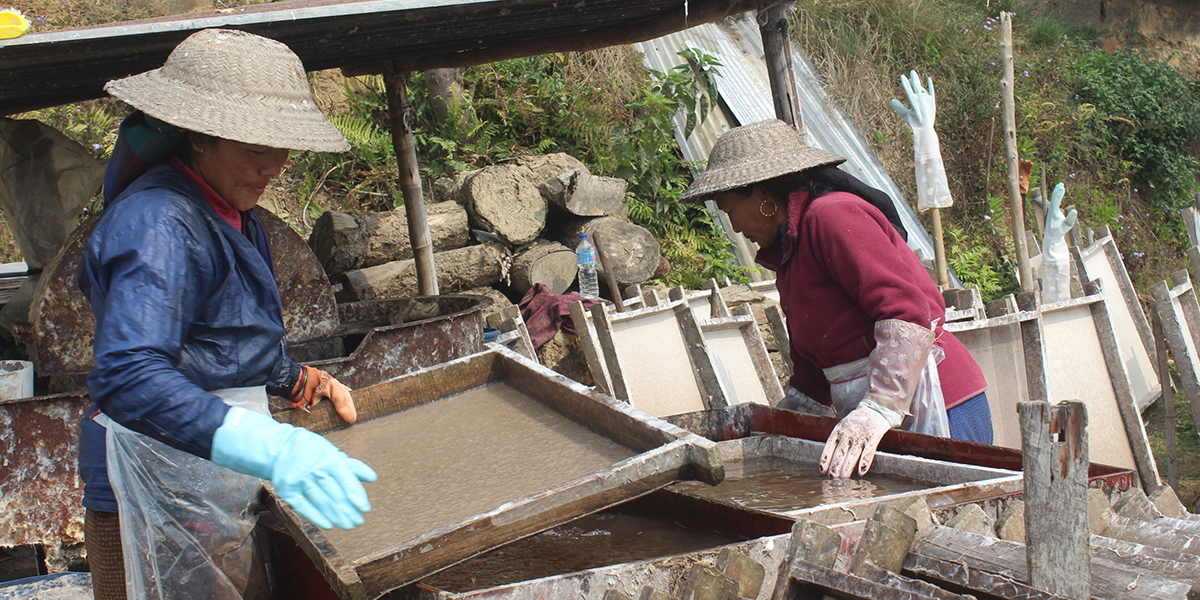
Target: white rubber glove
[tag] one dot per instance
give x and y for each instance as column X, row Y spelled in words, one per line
column 900, row 354
column 1056, row 260
column 853, row 442
column 933, row 191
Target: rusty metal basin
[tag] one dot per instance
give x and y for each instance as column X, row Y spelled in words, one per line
column 376, row 350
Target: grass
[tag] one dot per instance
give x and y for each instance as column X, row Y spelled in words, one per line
column 1187, row 446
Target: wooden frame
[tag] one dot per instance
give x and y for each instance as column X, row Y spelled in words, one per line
column 1179, row 314
column 655, row 357
column 513, row 333
column 1008, row 348
column 766, row 288
column 708, row 303
column 666, row 453
column 736, row 348
column 1101, row 260
column 964, row 304
column 1073, row 377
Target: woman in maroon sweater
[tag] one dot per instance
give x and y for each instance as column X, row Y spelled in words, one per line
column 864, row 318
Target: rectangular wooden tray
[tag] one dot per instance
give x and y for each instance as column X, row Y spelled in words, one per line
column 662, row 453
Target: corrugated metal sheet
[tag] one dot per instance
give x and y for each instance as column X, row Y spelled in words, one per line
column 745, row 95
column 55, row 67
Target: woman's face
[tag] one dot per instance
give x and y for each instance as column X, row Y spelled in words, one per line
column 238, row 172
column 759, row 226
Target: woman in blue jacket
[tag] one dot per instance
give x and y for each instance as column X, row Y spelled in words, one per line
column 189, row 328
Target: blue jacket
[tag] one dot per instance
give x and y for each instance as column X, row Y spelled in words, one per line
column 184, row 304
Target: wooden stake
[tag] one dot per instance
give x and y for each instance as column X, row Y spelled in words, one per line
column 400, row 113
column 1054, row 445
column 1168, row 399
column 939, row 252
column 773, row 25
column 1010, row 155
column 609, row 278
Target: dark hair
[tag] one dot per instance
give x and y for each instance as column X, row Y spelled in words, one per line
column 825, row 179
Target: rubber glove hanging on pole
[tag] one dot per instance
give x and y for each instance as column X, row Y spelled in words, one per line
column 933, row 191
column 1056, row 260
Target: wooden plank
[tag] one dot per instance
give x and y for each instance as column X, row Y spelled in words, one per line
column 740, row 358
column 1055, row 451
column 586, row 332
column 814, row 581
column 713, row 392
column 1131, row 417
column 1102, row 261
column 779, row 330
column 1179, row 341
column 604, row 337
column 1037, row 373
column 1001, row 558
column 962, row 575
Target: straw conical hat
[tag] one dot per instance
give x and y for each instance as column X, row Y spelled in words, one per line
column 753, row 153
column 236, row 86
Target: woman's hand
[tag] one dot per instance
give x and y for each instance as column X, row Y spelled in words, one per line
column 853, row 442
column 315, row 384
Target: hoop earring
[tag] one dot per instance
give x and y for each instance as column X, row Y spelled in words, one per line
column 764, row 203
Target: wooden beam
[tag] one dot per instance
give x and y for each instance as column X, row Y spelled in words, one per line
column 1055, row 461
column 773, row 25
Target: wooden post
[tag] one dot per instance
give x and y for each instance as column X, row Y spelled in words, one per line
column 773, row 25
column 1168, row 399
column 400, row 113
column 1054, row 445
column 1010, row 156
column 939, row 251
column 609, row 278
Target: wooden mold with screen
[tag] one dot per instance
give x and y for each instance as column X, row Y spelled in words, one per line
column 477, row 453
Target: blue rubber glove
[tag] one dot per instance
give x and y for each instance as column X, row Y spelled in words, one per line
column 308, row 471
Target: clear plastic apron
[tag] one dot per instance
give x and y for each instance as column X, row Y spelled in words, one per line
column 849, row 383
column 186, row 522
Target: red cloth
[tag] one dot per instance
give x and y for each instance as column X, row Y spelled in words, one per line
column 840, row 267
column 223, row 208
column 545, row 313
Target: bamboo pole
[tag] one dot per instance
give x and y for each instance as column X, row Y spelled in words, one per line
column 1010, row 155
column 400, row 113
column 939, row 251
column 773, row 25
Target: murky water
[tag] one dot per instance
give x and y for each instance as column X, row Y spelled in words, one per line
column 446, row 461
column 779, row 485
column 606, row 538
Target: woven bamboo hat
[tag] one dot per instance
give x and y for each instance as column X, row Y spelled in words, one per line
column 236, row 86
column 756, row 152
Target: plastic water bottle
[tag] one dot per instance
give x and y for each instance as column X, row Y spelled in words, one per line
column 585, row 252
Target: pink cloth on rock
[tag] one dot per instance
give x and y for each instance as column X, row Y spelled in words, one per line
column 546, row 313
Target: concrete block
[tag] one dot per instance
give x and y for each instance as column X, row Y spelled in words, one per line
column 615, row 595
column 972, row 519
column 706, row 583
column 1167, row 503
column 744, row 570
column 649, row 593
column 1011, row 524
column 1100, row 512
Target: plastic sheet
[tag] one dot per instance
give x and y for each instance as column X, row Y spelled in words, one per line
column 186, row 523
column 45, row 181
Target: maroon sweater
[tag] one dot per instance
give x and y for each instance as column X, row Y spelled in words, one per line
column 840, row 267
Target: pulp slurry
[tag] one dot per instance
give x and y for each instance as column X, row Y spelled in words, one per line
column 780, row 485
column 448, row 460
column 602, row 539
